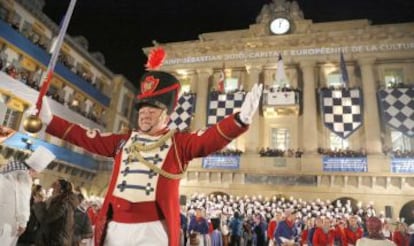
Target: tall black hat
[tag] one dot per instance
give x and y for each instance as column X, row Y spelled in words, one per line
column 158, row 89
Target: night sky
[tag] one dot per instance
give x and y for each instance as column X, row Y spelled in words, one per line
column 121, row 28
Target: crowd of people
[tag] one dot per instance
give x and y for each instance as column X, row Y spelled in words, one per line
column 397, row 153
column 30, row 215
column 62, row 216
column 45, row 43
column 229, row 220
column 348, row 153
column 269, row 152
column 229, row 152
column 33, row 80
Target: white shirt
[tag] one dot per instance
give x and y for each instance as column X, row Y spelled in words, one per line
column 15, row 191
column 372, row 242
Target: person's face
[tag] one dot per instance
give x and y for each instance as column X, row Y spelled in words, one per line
column 278, row 216
column 292, row 217
column 353, row 221
column 326, row 223
column 56, row 187
column 151, row 120
column 318, row 222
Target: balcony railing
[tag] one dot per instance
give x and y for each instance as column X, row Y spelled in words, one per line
column 36, row 53
column 281, row 102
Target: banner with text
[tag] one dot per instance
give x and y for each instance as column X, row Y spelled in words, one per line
column 402, row 165
column 344, row 164
column 221, row 162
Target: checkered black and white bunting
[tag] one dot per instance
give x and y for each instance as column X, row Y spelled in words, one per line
column 342, row 110
column 221, row 105
column 397, row 109
column 181, row 117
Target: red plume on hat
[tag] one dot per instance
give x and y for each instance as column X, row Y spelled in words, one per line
column 155, row 58
column 159, row 89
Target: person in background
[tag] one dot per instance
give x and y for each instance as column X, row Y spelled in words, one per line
column 386, row 229
column 400, row 236
column 15, row 192
column 285, row 234
column 325, row 235
column 236, row 229
column 305, row 232
column 216, row 235
column 247, row 232
column 311, row 233
column 93, row 211
column 340, row 233
column 30, row 234
column 198, row 229
column 259, row 230
column 83, row 227
column 375, row 236
column 183, row 226
column 57, row 218
column 272, row 227
column 354, row 231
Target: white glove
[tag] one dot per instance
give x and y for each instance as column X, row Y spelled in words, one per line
column 250, row 104
column 45, row 113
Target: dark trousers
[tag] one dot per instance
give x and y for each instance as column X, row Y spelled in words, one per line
column 235, row 240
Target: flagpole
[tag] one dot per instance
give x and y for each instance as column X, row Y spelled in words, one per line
column 344, row 71
column 54, row 56
column 33, row 122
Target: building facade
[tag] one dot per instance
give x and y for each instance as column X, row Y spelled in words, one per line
column 375, row 58
column 82, row 89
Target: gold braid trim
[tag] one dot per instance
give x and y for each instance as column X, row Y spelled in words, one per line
column 158, row 143
column 178, row 157
column 136, row 148
column 67, row 131
column 222, row 134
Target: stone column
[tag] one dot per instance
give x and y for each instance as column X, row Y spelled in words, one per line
column 202, row 90
column 253, row 137
column 309, row 118
column 371, row 118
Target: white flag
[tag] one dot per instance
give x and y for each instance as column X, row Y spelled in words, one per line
column 281, row 78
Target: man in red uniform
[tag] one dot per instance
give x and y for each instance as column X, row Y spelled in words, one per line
column 353, row 231
column 271, row 228
column 324, row 235
column 141, row 206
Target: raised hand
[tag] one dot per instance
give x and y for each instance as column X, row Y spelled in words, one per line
column 250, row 104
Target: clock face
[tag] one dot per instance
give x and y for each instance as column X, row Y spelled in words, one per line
column 279, row 26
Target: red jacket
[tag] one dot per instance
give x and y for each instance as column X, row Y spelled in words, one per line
column 340, row 236
column 185, row 147
column 320, row 238
column 353, row 236
column 400, row 239
column 304, row 237
column 271, row 228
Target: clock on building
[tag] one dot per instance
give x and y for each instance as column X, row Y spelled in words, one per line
column 279, row 25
